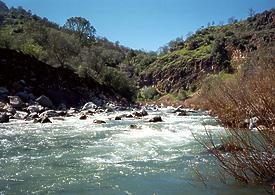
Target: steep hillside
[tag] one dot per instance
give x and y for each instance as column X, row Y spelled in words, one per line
column 73, row 46
column 23, row 75
column 211, row 50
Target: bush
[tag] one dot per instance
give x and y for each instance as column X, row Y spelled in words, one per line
column 250, row 155
column 33, row 50
column 119, row 82
column 182, row 95
column 148, row 93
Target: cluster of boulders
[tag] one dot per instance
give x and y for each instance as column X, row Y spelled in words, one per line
column 18, row 102
column 24, row 106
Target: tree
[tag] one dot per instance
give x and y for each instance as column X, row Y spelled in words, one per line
column 232, row 20
column 189, row 34
column 82, row 28
column 61, row 48
column 251, row 12
column 176, row 44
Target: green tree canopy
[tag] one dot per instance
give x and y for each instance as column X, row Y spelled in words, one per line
column 81, row 27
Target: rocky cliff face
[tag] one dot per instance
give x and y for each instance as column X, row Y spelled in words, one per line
column 173, row 78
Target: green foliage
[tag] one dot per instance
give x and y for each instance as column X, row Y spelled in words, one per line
column 182, row 95
column 73, row 46
column 6, row 40
column 118, row 81
column 148, row 93
column 62, row 47
column 82, row 28
column 34, row 50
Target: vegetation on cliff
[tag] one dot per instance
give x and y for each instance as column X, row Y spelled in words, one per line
column 184, row 64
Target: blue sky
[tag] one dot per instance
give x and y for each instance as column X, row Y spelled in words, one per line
column 143, row 24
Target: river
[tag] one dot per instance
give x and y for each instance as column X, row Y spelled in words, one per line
column 79, row 157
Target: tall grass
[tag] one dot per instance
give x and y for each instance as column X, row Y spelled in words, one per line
column 241, row 103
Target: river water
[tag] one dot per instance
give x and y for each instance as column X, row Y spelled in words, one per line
column 79, row 157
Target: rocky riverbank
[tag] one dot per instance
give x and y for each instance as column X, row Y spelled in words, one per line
column 31, row 89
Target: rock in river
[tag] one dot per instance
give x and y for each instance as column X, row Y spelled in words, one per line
column 141, row 113
column 182, row 114
column 43, row 119
column 99, row 122
column 89, row 105
column 20, row 115
column 83, row 117
column 35, row 108
column 117, row 118
column 49, row 113
column 156, row 119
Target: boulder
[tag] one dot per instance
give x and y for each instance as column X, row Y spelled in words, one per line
column 72, row 111
column 4, row 118
column 134, row 126
column 129, row 116
column 109, row 110
column 33, row 115
column 62, row 113
column 89, row 105
column 20, row 115
column 156, row 119
column 16, row 102
column 182, row 114
column 89, row 112
column 43, row 120
column 126, row 116
column 45, row 101
column 144, row 112
column 83, row 117
column 141, row 113
column 99, row 122
column 8, row 108
column 179, row 110
column 35, row 108
column 117, row 118
column 49, row 113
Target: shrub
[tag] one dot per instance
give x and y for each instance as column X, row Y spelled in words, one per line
column 148, row 93
column 182, row 95
column 119, row 82
column 33, row 50
column 250, row 155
